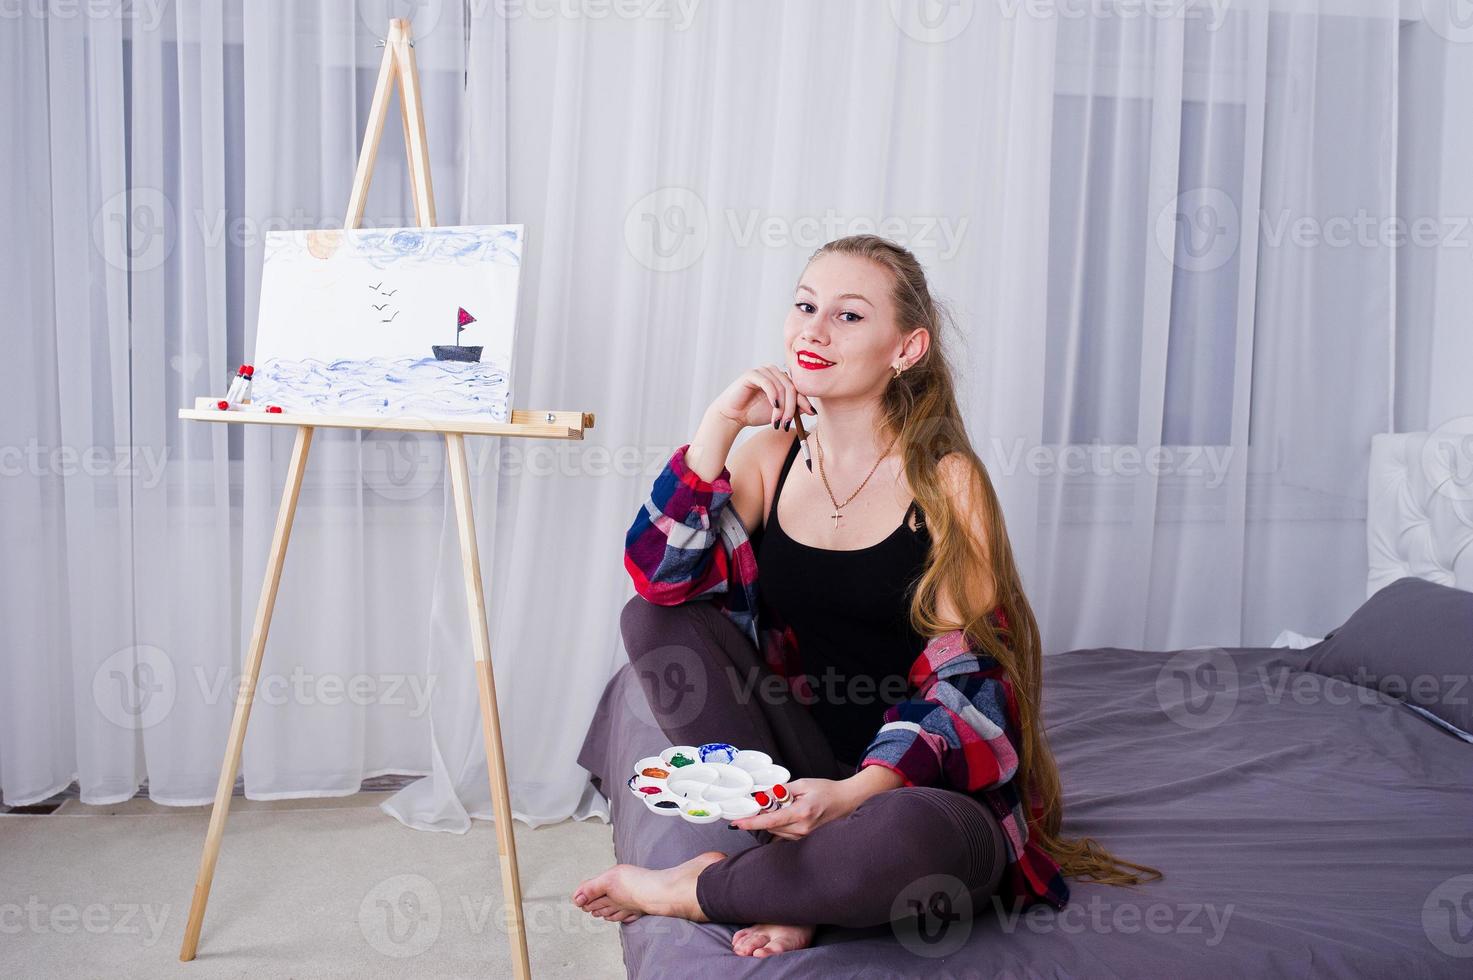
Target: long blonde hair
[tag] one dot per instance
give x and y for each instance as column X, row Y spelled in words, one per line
column 921, row 407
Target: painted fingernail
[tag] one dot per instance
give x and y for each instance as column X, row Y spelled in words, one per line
column 732, row 826
column 787, row 425
column 775, row 423
column 776, row 405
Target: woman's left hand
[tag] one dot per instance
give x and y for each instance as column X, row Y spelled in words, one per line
column 815, row 803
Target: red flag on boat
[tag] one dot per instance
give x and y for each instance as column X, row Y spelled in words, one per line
column 464, row 318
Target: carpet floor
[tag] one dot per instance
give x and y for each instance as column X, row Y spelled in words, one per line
column 303, row 888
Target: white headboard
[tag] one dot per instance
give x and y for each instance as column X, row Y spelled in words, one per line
column 1419, row 508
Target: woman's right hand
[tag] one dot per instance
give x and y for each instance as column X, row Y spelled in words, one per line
column 762, row 396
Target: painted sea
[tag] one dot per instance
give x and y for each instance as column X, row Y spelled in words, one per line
column 403, row 386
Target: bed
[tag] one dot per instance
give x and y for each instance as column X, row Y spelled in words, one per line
column 1306, row 825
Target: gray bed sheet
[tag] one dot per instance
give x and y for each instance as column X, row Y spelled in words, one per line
column 1305, row 827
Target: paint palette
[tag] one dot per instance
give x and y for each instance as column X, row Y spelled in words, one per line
column 706, row 783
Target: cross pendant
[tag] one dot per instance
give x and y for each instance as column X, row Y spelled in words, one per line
column 837, row 515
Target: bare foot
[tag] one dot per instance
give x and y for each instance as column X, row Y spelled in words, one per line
column 769, row 939
column 625, row 891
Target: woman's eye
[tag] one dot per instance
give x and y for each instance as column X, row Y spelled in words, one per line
column 856, row 316
column 805, row 307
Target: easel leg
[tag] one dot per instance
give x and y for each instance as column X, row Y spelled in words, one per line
column 284, row 515
column 511, row 884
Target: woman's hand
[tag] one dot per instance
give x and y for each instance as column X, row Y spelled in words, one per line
column 818, row 801
column 762, row 396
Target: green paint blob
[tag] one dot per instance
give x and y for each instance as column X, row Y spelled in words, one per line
column 681, row 759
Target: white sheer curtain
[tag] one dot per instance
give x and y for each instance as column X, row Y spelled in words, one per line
column 1172, row 361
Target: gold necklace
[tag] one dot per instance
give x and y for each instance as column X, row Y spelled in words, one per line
column 838, row 506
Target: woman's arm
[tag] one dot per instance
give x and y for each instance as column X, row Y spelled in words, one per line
column 817, row 801
column 672, row 549
column 956, row 732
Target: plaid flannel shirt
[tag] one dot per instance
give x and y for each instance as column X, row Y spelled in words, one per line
column 959, row 727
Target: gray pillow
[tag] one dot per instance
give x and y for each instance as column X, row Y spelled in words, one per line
column 1412, row 640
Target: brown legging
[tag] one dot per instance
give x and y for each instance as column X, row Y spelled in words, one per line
column 705, row 681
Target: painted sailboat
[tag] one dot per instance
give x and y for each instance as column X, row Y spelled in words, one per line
column 454, row 352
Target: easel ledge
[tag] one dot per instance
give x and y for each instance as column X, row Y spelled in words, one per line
column 524, row 422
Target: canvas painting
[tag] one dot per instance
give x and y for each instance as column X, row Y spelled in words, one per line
column 416, row 322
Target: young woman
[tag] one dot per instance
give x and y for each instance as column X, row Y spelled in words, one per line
column 890, row 608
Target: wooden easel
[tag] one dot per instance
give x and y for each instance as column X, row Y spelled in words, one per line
column 398, row 65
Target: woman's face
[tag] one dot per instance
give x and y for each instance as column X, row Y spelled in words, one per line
column 843, row 314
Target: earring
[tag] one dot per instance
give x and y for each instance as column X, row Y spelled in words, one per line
column 897, row 371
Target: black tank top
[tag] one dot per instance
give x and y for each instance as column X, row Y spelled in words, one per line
column 850, row 615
